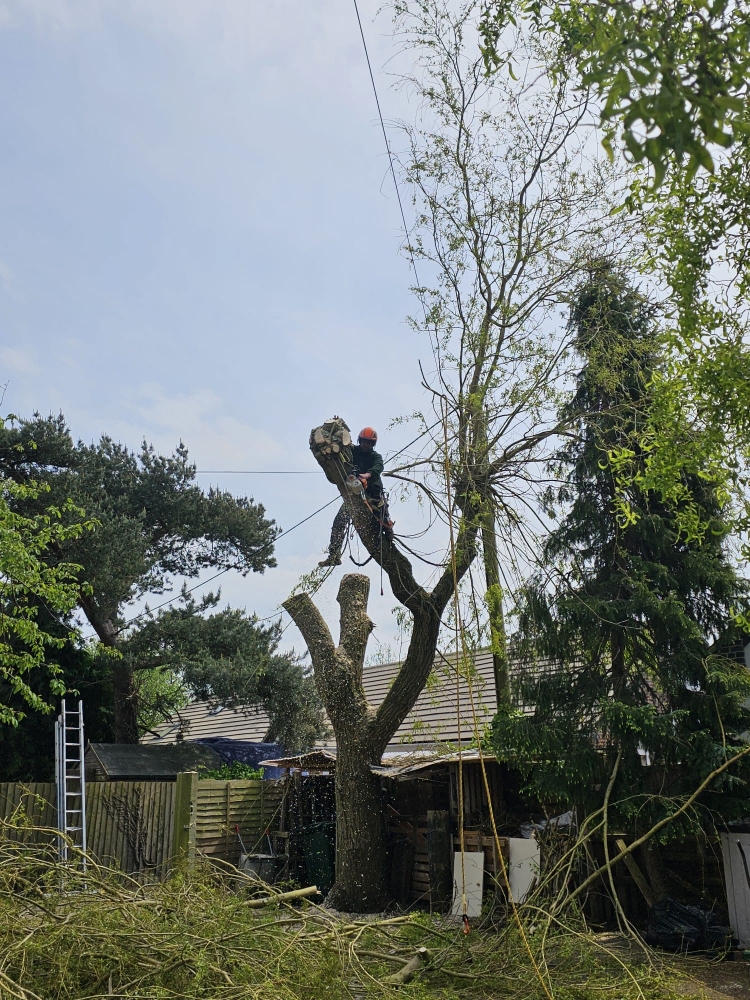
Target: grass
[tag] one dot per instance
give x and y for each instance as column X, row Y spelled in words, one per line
column 66, row 936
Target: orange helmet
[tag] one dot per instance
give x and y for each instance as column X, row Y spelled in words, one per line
column 368, row 434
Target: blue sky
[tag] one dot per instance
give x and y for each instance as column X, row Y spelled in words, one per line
column 200, row 241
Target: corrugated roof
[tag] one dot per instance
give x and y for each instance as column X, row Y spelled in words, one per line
column 394, row 763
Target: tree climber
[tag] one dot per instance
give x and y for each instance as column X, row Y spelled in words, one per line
column 367, row 467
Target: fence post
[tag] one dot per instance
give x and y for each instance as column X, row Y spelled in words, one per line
column 185, row 802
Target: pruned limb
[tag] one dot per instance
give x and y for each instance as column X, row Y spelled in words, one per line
column 312, row 625
column 281, row 897
column 412, row 967
column 355, row 624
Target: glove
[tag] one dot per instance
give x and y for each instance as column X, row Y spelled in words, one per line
column 364, row 478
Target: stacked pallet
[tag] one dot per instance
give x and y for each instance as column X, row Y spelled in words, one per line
column 474, row 840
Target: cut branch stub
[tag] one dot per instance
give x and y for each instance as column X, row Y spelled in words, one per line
column 331, row 444
column 356, row 625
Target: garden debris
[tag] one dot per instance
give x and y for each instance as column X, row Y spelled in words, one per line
column 195, row 935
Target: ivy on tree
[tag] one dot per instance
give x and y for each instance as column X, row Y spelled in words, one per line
column 153, row 523
column 630, row 622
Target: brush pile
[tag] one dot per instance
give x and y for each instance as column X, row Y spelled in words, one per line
column 66, row 935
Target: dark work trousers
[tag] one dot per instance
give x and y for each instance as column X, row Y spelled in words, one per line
column 342, row 520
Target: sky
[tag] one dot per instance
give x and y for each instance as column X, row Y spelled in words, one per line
column 200, row 242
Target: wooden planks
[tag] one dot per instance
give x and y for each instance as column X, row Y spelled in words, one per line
column 254, row 806
column 474, row 840
column 30, row 810
column 131, row 823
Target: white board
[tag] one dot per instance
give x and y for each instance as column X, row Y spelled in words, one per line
column 473, row 870
column 738, row 888
column 523, row 866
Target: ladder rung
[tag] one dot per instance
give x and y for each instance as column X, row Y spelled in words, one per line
column 72, row 829
column 76, row 744
column 72, row 760
column 72, row 795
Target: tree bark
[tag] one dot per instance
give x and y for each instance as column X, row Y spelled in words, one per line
column 125, row 694
column 363, row 733
column 360, row 837
column 125, row 704
column 494, row 600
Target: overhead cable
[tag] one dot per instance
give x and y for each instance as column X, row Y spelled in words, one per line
column 221, row 572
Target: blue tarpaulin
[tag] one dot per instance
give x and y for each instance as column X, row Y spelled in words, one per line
column 245, row 752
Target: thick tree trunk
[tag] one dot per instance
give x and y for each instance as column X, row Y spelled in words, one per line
column 125, row 703
column 125, row 694
column 363, row 732
column 360, row 842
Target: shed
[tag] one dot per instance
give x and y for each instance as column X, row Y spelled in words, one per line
column 139, row 762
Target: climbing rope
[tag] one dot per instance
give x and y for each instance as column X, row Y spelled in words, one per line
column 461, row 639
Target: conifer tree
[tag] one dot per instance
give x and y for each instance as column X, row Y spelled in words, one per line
column 152, row 524
column 633, row 622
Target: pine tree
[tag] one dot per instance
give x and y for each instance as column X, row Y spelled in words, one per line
column 152, row 524
column 635, row 618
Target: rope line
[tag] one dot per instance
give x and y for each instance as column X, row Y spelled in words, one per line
column 221, row 572
column 477, row 735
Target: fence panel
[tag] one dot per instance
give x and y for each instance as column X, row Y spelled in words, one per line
column 252, row 805
column 31, row 811
column 130, row 824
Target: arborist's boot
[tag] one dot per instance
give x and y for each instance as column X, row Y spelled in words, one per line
column 332, row 559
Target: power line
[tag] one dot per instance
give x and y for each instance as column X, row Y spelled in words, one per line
column 257, row 472
column 216, row 575
column 390, row 154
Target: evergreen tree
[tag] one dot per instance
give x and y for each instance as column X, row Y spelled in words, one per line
column 632, row 621
column 152, row 523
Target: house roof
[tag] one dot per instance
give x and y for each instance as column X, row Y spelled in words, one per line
column 434, row 718
column 199, row 721
column 124, row 760
column 442, row 714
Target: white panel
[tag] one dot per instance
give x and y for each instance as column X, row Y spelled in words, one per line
column 523, row 865
column 473, row 870
column 738, row 884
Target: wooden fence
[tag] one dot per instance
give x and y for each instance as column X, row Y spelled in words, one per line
column 253, row 806
column 131, row 824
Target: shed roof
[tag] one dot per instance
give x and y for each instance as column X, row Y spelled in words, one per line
column 393, row 764
column 124, row 760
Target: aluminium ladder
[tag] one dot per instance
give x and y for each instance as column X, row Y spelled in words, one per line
column 70, row 779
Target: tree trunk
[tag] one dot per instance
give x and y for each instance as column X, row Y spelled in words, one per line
column 363, row 732
column 125, row 703
column 360, row 842
column 125, row 694
column 494, row 601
